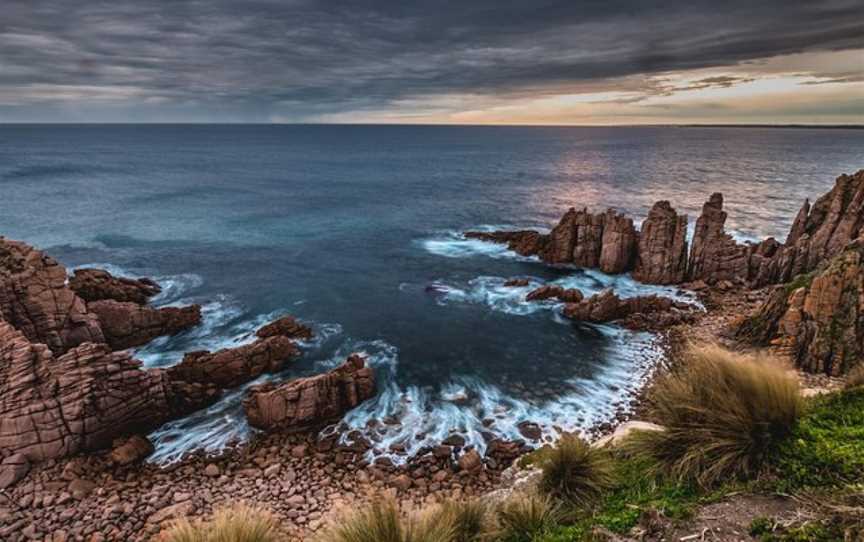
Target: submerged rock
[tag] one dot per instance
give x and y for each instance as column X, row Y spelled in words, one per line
column 607, row 307
column 523, row 242
column 309, row 402
column 286, row 326
column 550, row 291
column 98, row 284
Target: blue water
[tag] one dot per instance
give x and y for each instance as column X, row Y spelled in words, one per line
column 346, row 227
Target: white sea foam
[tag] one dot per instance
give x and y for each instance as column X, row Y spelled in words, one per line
column 454, row 244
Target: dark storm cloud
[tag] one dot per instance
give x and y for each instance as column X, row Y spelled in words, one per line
column 233, row 60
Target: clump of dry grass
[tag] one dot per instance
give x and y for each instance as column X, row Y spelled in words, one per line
column 575, row 472
column 724, row 414
column 523, row 518
column 855, row 378
column 382, row 521
column 470, row 519
column 239, row 523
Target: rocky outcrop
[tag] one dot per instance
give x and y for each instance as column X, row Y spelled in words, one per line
column 127, row 324
column 818, row 318
column 633, row 311
column 618, row 244
column 54, row 406
column 34, row 299
column 662, row 250
column 232, row 367
column 98, row 284
column 524, row 242
column 715, row 255
column 550, row 291
column 309, row 402
column 286, row 326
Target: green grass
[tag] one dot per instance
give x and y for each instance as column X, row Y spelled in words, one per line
column 826, row 448
column 803, row 280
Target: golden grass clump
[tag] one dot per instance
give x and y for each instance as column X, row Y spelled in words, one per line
column 523, row 518
column 470, row 519
column 382, row 521
column 723, row 414
column 575, row 472
column 239, row 523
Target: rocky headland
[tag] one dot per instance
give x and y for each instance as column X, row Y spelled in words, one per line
column 75, row 404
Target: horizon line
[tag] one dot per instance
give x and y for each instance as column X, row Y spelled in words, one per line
column 437, row 124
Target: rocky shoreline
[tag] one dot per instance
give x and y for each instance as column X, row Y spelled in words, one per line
column 75, row 404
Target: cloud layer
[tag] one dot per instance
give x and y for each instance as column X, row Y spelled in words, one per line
column 299, row 60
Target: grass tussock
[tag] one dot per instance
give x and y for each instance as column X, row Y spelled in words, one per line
column 724, row 414
column 470, row 519
column 238, row 523
column 526, row 518
column 855, row 378
column 575, row 472
column 382, row 521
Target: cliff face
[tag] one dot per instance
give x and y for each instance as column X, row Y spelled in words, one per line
column 659, row 253
column 818, row 318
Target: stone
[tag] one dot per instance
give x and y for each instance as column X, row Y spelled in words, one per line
column 35, row 300
column 98, row 284
column 715, row 255
column 662, row 246
column 132, row 450
column 524, row 242
column 516, row 283
column 530, row 430
column 623, row 431
column 80, row 488
column 550, row 291
column 312, row 401
column 606, row 306
column 402, row 482
column 286, row 326
column 128, row 324
column 470, row 461
column 172, row 511
column 212, row 470
column 13, row 469
column 231, row 367
column 618, row 243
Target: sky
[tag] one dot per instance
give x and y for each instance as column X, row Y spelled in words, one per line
column 462, row 62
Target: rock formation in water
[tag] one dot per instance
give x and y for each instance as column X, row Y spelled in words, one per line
column 286, row 326
column 54, row 406
column 310, row 402
column 818, row 318
column 34, row 299
column 128, row 324
column 641, row 312
column 98, row 284
column 662, row 250
column 659, row 253
column 550, row 291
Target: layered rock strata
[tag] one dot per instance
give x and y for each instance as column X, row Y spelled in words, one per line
column 309, row 402
column 98, row 284
column 128, row 324
column 641, row 312
column 818, row 319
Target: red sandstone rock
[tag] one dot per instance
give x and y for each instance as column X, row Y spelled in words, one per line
column 662, row 251
column 287, row 326
column 549, row 291
column 98, row 284
column 131, row 450
column 618, row 244
column 821, row 322
column 52, row 407
column 232, row 367
column 515, row 283
column 34, row 299
column 524, row 242
column 312, row 401
column 128, row 324
column 607, row 306
column 715, row 255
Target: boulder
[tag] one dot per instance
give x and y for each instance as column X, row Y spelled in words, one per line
column 662, row 248
column 470, row 461
column 523, row 242
column 131, row 450
column 13, row 469
column 34, row 299
column 232, row 367
column 549, row 291
column 623, row 431
column 286, row 326
column 310, row 402
column 98, row 284
column 128, row 324
column 516, row 283
column 607, row 306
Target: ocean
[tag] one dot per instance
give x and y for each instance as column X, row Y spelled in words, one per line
column 356, row 231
